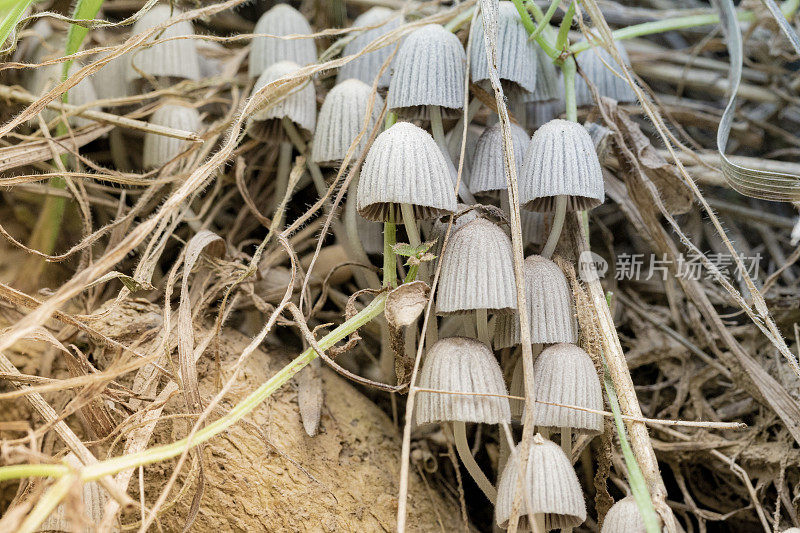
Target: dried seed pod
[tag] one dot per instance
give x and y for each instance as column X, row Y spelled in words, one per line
column 534, row 224
column 461, row 364
column 488, row 165
column 428, row 70
column 111, row 80
column 549, row 85
column 550, row 484
column 550, row 309
column 561, row 160
column 341, row 119
column 299, row 105
column 595, row 63
column 624, row 517
column 516, row 53
column 564, row 374
column 477, row 270
column 94, row 499
column 404, row 166
column 176, row 58
column 160, row 149
column 83, row 93
column 367, row 66
column 281, row 20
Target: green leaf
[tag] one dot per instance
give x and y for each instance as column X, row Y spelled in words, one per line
column 406, row 250
column 84, row 10
column 11, row 12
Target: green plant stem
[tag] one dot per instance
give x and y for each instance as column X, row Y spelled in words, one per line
column 389, row 259
column 563, row 30
column 542, row 24
column 531, row 27
column 10, row 20
column 46, row 504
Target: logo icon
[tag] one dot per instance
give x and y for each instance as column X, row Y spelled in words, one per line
column 591, row 267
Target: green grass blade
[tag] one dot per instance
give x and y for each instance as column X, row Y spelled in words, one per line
column 84, row 10
column 11, row 12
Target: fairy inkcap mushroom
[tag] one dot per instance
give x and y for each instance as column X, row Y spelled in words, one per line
column 367, row 66
column 404, row 166
column 280, row 21
column 488, row 165
column 596, row 63
column 94, row 499
column 624, row 517
column 160, row 149
column 299, row 105
column 109, row 82
column 83, row 93
column 341, row 119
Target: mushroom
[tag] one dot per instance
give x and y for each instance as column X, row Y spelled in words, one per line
column 281, row 20
column 160, row 149
column 488, row 164
column 83, row 93
column 381, row 21
column 534, row 224
column 596, row 63
column 549, row 85
column 463, row 365
column 110, row 81
column 624, row 517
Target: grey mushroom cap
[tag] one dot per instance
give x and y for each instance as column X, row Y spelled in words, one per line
column 477, row 270
column 595, row 63
column 550, row 309
column 539, row 113
column 474, row 132
column 516, row 53
column 341, row 119
column 488, row 164
column 461, row 364
column 367, row 66
column 110, row 81
column 564, row 374
column 428, row 70
column 405, row 166
column 550, row 484
column 176, row 58
column 561, row 160
column 159, row 149
column 624, row 517
column 281, row 20
column 549, row 84
column 439, row 226
column 299, row 105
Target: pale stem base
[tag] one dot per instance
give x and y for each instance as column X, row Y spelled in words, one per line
column 464, row 452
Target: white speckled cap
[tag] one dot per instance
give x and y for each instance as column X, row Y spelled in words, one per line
column 624, row 517
column 428, row 70
column 300, row 105
column 177, row 58
column 551, row 488
column 535, row 225
column 516, row 54
column 404, row 165
column 549, row 85
column 159, row 149
column 488, row 167
column 111, row 80
column 550, row 309
column 94, row 499
column 46, row 77
column 341, row 119
column 366, row 67
column 477, row 270
column 561, row 160
column 461, row 364
column 593, row 63
column 281, row 20
column 564, row 374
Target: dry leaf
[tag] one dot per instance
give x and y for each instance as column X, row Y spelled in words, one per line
column 310, row 397
column 405, row 303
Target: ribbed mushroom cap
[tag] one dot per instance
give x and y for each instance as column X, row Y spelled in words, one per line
column 549, row 84
column 159, row 149
column 550, row 309
column 366, row 67
column 594, row 62
column 564, row 374
column 94, row 499
column 516, row 54
column 110, row 81
column 477, row 270
column 488, row 166
column 299, row 105
column 176, row 58
column 281, row 20
column 461, row 364
column 46, row 77
column 439, row 227
column 341, row 120
column 404, row 165
column 428, row 70
column 534, row 224
column 561, row 160
column 624, row 517
column 550, row 484
column 540, row 113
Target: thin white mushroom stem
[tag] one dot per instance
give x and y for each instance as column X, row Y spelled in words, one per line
column 464, row 452
column 558, row 225
column 469, row 326
column 482, row 323
column 282, row 175
column 437, row 130
column 407, row 211
column 566, row 446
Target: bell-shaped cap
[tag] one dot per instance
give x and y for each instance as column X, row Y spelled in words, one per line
column 439, row 226
column 624, row 517
column 110, row 81
column 595, row 63
column 160, row 149
column 488, row 165
column 550, row 309
column 549, row 85
column 461, row 364
column 550, row 484
column 281, row 20
column 405, row 166
column 516, row 53
column 299, row 105
column 428, row 70
column 341, row 119
column 561, row 160
column 477, row 270
column 48, row 76
column 176, row 58
column 367, row 66
column 564, row 374
column 94, row 499
column 535, row 225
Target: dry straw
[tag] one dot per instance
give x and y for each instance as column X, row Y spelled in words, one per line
column 158, row 149
column 366, row 67
column 175, row 58
column 94, row 499
column 595, row 63
column 488, row 164
column 281, row 20
column 299, row 105
column 624, row 517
